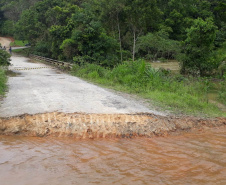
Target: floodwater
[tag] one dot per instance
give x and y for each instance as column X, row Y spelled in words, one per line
column 194, row 158
column 172, row 65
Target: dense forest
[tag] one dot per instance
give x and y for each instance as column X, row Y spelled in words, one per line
column 107, row 32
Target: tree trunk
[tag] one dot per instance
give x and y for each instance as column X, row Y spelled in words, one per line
column 134, row 42
column 119, row 35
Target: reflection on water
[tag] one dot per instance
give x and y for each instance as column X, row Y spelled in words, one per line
column 190, row 159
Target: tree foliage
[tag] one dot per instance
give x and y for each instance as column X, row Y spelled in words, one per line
column 92, row 41
column 4, row 58
column 198, row 47
column 108, row 32
column 158, row 45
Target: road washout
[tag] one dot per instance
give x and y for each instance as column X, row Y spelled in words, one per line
column 90, row 126
column 39, row 88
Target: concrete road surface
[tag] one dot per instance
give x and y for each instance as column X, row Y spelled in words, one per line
column 14, row 48
column 38, row 88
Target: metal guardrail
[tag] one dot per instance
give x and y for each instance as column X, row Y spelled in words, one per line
column 51, row 61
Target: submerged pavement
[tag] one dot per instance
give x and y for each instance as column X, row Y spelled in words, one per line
column 38, row 88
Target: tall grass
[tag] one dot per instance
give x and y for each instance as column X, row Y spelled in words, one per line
column 171, row 92
column 3, row 80
column 222, row 92
column 24, row 52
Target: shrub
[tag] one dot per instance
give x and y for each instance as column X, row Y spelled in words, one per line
column 42, row 49
column 4, row 58
column 198, row 48
column 222, row 92
column 3, row 80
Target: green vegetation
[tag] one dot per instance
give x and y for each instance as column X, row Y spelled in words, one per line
column 222, row 92
column 4, row 61
column 176, row 93
column 23, row 52
column 109, row 32
column 18, row 43
column 199, row 47
column 221, row 59
column 3, row 81
column 4, row 58
column 101, row 34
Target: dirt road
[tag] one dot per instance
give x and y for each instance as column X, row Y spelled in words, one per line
column 5, row 42
column 38, row 88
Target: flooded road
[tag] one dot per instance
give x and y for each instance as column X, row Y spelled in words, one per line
column 194, row 158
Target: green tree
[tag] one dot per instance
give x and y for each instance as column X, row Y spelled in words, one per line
column 92, row 42
column 10, row 11
column 113, row 18
column 69, row 48
column 29, row 27
column 127, row 20
column 4, row 58
column 198, row 47
column 34, row 22
column 60, row 19
column 142, row 16
column 158, row 45
column 180, row 14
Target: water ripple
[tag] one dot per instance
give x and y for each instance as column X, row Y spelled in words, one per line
column 190, row 159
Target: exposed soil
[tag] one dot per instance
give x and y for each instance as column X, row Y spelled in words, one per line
column 10, row 38
column 82, row 126
column 5, row 41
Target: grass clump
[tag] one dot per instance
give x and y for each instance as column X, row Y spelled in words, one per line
column 3, row 80
column 222, row 92
column 4, row 62
column 18, row 43
column 173, row 92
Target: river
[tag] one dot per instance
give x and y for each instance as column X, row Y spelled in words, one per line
column 193, row 158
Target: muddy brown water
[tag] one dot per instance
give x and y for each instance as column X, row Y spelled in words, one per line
column 194, row 158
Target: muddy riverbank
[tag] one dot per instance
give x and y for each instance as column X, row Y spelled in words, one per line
column 83, row 126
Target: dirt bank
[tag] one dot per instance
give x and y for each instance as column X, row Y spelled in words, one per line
column 81, row 126
column 5, row 41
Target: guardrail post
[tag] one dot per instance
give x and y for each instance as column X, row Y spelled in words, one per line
column 52, row 61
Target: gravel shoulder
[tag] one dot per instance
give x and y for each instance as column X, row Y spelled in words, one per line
column 38, row 88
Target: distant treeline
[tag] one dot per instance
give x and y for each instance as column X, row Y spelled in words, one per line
column 107, row 32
